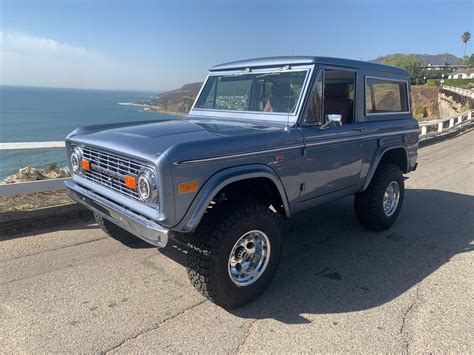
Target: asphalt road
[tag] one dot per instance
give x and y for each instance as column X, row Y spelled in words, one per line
column 339, row 287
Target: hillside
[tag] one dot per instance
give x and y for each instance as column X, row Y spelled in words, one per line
column 178, row 101
column 436, row 59
column 425, row 102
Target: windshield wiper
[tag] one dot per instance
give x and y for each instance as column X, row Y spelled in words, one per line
column 275, row 72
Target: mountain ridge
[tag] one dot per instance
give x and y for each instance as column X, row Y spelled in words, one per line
column 434, row 59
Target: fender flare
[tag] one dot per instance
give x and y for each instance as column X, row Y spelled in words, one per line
column 217, row 182
column 381, row 151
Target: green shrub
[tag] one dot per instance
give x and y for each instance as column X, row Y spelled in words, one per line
column 421, row 111
column 432, row 82
column 435, row 74
column 411, row 63
column 460, row 83
column 53, row 167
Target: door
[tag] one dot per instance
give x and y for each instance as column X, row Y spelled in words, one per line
column 333, row 152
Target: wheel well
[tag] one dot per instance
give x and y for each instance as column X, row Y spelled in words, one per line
column 261, row 189
column 397, row 156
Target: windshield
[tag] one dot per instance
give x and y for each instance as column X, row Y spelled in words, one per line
column 267, row 92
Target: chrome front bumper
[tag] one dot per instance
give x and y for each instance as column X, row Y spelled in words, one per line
column 143, row 228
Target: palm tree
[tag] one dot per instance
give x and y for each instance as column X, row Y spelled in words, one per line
column 466, row 37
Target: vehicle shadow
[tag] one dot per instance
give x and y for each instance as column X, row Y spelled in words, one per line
column 85, row 221
column 331, row 264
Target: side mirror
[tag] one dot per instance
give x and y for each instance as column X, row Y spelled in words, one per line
column 333, row 120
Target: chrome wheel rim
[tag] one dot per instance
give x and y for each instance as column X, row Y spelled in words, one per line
column 391, row 198
column 249, row 258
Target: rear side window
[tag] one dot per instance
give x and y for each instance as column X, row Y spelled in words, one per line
column 385, row 96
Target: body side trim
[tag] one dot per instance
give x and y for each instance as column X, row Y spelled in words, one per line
column 240, row 155
column 300, row 146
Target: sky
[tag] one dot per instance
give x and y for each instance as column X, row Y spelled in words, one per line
column 160, row 45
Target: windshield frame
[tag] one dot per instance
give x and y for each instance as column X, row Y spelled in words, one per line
column 281, row 117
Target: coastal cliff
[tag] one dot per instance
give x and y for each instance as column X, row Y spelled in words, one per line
column 176, row 102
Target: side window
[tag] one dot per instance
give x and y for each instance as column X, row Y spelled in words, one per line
column 332, row 94
column 339, row 94
column 314, row 111
column 385, row 96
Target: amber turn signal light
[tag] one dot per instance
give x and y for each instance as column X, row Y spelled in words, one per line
column 186, row 187
column 130, row 182
column 86, row 165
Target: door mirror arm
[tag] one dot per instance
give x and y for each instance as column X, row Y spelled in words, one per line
column 332, row 121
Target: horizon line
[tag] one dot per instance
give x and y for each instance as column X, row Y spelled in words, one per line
column 90, row 89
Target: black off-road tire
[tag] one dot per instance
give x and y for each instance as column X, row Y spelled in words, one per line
column 368, row 205
column 212, row 244
column 114, row 231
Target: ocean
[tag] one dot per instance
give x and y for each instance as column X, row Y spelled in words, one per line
column 32, row 114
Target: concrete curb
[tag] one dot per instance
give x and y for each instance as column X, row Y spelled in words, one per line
column 16, row 222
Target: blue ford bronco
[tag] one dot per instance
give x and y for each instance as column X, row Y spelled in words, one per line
column 265, row 139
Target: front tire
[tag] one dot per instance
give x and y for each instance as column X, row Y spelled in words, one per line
column 234, row 254
column 378, row 207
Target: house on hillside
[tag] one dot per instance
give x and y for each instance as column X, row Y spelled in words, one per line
column 467, row 73
column 448, row 67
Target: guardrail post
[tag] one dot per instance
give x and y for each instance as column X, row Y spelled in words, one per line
column 451, row 122
column 469, row 115
column 423, row 130
column 440, row 127
column 459, row 119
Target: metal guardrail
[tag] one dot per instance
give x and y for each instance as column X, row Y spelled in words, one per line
column 31, row 145
column 461, row 91
column 19, row 188
column 435, row 128
column 31, row 186
column 429, row 129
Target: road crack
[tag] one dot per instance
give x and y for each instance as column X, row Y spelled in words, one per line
column 248, row 333
column 408, row 313
column 151, row 328
column 60, row 268
column 54, row 249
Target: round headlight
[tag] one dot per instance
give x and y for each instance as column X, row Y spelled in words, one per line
column 147, row 186
column 76, row 158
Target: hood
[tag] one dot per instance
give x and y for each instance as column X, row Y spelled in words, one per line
column 180, row 138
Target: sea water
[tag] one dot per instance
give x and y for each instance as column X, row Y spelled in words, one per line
column 32, row 114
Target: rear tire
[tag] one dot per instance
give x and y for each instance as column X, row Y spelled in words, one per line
column 378, row 207
column 114, row 231
column 234, row 253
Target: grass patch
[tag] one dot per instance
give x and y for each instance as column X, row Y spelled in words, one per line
column 459, row 83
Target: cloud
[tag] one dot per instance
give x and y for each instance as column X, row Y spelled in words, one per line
column 38, row 61
column 24, row 44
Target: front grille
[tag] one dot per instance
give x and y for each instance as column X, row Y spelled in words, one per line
column 110, row 170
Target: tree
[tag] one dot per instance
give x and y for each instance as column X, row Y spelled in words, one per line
column 469, row 60
column 466, row 37
column 411, row 63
